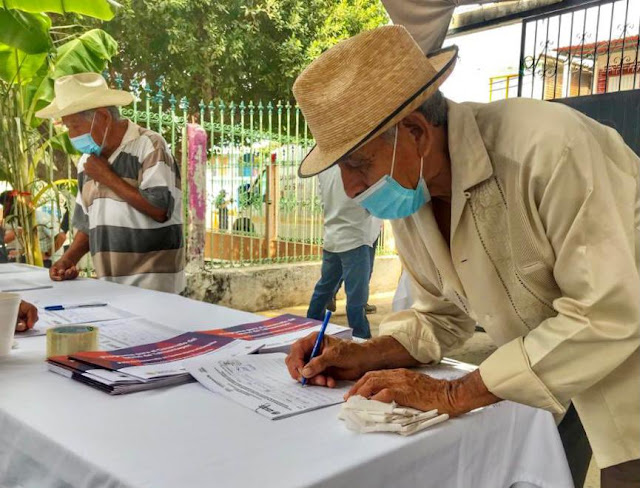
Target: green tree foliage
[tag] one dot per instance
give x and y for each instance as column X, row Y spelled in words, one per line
column 232, row 49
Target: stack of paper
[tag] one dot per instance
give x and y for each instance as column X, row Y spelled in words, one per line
column 279, row 333
column 362, row 415
column 148, row 365
column 110, row 382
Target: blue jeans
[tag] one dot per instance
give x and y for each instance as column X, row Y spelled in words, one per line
column 354, row 267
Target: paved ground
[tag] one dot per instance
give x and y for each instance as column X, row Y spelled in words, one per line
column 474, row 351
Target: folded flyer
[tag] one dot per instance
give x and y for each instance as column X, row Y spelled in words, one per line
column 165, row 358
column 279, row 333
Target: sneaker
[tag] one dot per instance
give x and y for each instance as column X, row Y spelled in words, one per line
column 370, row 309
column 332, row 305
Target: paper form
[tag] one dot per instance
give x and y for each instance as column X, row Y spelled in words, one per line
column 116, row 334
column 90, row 315
column 81, row 315
column 262, row 383
column 179, row 367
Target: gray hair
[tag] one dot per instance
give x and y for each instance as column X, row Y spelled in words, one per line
column 113, row 111
column 434, row 110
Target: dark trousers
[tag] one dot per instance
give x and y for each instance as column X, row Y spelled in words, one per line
column 624, row 475
column 578, row 451
column 372, row 260
column 354, row 267
column 576, row 446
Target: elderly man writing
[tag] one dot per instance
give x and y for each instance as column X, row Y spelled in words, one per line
column 129, row 208
column 520, row 215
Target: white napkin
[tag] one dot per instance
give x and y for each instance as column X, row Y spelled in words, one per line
column 362, row 415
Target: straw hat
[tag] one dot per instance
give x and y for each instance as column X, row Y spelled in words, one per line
column 362, row 86
column 80, row 92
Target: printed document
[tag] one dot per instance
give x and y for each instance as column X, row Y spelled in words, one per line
column 262, row 383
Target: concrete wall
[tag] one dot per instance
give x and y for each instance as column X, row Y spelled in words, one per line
column 276, row 286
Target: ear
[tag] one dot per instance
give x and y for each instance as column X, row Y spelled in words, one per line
column 103, row 116
column 420, row 130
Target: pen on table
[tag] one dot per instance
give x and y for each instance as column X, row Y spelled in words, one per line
column 53, row 308
column 319, row 338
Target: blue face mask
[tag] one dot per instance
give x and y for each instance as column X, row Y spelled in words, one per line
column 85, row 143
column 387, row 199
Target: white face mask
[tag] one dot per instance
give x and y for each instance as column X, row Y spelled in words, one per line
column 387, row 199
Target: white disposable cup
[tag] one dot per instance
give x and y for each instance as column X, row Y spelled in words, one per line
column 9, row 306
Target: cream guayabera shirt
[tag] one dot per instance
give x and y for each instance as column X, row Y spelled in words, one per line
column 545, row 255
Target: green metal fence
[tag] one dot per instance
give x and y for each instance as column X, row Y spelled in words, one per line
column 258, row 210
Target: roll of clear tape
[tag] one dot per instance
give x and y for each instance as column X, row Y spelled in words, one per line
column 70, row 339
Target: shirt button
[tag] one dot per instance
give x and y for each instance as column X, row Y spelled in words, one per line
column 467, row 195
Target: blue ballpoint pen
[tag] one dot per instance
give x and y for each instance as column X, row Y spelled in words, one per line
column 319, row 338
column 55, row 308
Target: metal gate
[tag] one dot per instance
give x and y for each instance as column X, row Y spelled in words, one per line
column 586, row 50
column 587, row 57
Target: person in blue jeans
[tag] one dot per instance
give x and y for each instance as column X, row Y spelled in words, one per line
column 349, row 235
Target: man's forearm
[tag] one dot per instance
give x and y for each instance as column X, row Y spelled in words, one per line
column 78, row 248
column 133, row 197
column 389, row 353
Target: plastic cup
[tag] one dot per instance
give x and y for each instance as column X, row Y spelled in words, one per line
column 9, row 306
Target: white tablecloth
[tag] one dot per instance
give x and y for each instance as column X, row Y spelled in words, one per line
column 55, row 432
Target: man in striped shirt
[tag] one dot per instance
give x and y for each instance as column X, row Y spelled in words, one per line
column 128, row 211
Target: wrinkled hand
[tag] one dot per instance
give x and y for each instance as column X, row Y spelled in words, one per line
column 27, row 316
column 63, row 269
column 412, row 389
column 98, row 169
column 339, row 360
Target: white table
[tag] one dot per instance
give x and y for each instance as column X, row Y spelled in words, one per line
column 55, row 432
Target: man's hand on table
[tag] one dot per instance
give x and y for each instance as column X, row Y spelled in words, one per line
column 63, row 269
column 413, row 389
column 344, row 360
column 27, row 316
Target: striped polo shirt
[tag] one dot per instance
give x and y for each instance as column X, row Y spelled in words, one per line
column 126, row 245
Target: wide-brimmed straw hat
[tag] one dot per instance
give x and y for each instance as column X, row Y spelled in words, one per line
column 80, row 92
column 361, row 87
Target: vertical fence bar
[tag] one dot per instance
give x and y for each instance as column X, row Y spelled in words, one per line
column 302, row 183
column 635, row 63
column 264, row 248
column 594, row 81
column 555, row 81
column 545, row 50
column 291, row 181
column 135, row 89
column 606, row 77
column 624, row 41
column 235, row 170
column 534, row 60
column 523, row 38
column 212, row 166
column 159, row 97
column 583, row 36
column 246, row 165
column 222, row 166
column 569, row 61
column 282, row 168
